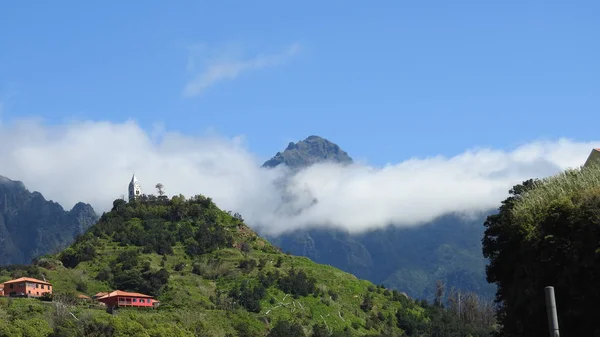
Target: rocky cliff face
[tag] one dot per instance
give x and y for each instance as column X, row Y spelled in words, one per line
column 313, row 149
column 31, row 226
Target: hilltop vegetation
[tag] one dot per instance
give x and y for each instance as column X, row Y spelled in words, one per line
column 214, row 277
column 547, row 234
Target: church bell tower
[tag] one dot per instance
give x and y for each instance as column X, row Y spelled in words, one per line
column 135, row 189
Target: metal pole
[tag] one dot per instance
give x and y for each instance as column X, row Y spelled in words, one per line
column 551, row 308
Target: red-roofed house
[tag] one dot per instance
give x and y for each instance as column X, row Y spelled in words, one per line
column 120, row 298
column 26, row 287
column 594, row 157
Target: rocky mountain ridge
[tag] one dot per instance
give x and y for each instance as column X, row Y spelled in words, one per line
column 313, row 149
column 31, row 226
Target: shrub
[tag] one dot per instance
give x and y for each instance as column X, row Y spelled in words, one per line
column 297, row 283
column 247, row 265
column 179, row 266
column 248, row 296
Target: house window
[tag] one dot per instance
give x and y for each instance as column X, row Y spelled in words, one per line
column 143, row 301
column 29, row 292
column 11, row 286
column 37, row 293
column 37, row 285
column 134, row 300
column 42, row 286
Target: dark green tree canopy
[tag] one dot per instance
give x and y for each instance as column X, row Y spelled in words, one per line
column 546, row 233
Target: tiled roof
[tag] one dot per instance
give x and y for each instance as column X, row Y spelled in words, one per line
column 124, row 294
column 83, row 297
column 27, row 279
column 100, row 294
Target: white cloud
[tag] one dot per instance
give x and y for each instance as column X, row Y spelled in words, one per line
column 93, row 162
column 224, row 65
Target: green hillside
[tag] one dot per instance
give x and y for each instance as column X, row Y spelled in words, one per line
column 214, row 277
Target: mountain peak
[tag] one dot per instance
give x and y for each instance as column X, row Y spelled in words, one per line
column 313, row 149
column 12, row 183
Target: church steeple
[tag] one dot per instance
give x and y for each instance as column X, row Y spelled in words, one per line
column 135, row 189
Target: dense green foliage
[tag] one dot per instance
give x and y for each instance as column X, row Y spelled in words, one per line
column 214, row 277
column 31, row 225
column 547, row 234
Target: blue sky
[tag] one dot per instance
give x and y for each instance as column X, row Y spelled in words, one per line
column 386, row 82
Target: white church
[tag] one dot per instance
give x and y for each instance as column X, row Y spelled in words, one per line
column 135, row 189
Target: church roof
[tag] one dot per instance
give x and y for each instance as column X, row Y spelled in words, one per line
column 133, row 179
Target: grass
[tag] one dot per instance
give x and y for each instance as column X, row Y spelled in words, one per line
column 567, row 185
column 195, row 301
column 188, row 299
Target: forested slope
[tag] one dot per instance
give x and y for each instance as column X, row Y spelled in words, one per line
column 214, row 277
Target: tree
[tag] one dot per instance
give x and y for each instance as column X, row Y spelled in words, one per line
column 245, row 248
column 284, row 328
column 238, row 216
column 546, row 233
column 160, row 187
column 439, row 293
column 248, row 296
column 320, row 330
column 297, row 283
column 503, row 245
column 454, row 301
column 367, row 303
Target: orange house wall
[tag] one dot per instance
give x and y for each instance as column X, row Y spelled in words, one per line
column 31, row 289
column 122, row 301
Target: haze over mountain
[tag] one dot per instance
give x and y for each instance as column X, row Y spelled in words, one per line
column 31, row 226
column 93, row 161
column 346, row 199
column 409, row 259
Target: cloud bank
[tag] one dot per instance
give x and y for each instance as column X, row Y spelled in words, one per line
column 93, row 162
column 224, row 65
